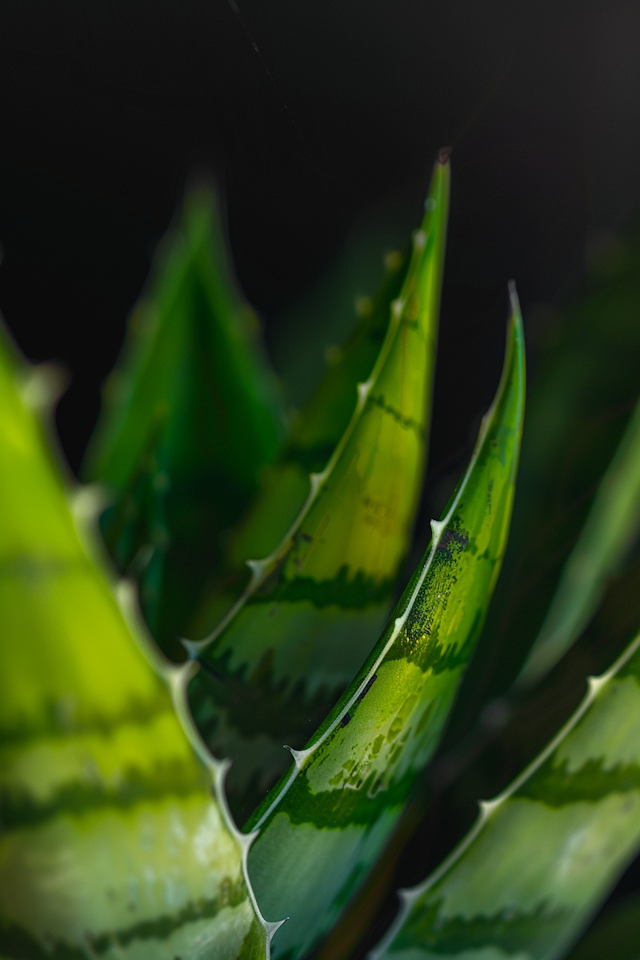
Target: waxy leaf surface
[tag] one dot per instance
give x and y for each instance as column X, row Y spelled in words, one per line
column 312, row 438
column 324, row 825
column 111, row 844
column 313, row 608
column 543, row 853
column 191, row 417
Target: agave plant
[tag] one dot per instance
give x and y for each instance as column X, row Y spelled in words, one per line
column 229, row 583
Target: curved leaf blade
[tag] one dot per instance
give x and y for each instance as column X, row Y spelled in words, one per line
column 191, row 416
column 544, row 852
column 327, row 821
column 312, row 438
column 584, row 391
column 296, row 637
column 610, row 530
column 110, row 841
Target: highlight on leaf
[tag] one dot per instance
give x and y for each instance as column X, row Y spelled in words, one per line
column 580, row 401
column 311, row 439
column 325, row 824
column 117, row 837
column 111, row 843
column 554, row 841
column 191, row 417
column 281, row 657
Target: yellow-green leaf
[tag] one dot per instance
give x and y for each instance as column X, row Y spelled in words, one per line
column 279, row 660
column 324, row 825
column 544, row 852
column 111, row 844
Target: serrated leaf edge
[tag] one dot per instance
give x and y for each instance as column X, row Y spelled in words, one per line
column 261, row 569
column 487, row 808
column 177, row 677
column 437, row 527
column 39, row 387
column 85, row 503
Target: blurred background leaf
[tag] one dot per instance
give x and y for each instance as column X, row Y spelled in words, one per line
column 191, row 416
column 307, row 620
column 93, row 756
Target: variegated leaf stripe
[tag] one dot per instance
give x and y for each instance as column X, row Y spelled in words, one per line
column 313, row 436
column 543, row 853
column 111, row 845
column 606, row 538
column 326, row 822
column 296, row 637
column 190, row 417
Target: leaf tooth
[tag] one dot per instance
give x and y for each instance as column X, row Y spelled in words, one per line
column 193, row 647
column 87, row 501
column 419, row 239
column 437, row 526
column 397, row 307
column 364, row 389
column 596, row 684
column 272, row 926
column 178, row 677
column 299, row 756
column 258, row 569
column 488, row 807
column 40, row 386
column 315, row 482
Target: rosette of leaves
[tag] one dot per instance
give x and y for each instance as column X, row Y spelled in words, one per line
column 228, row 586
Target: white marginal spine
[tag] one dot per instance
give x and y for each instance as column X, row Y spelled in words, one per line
column 177, row 678
column 596, row 685
column 437, row 527
column 260, row 569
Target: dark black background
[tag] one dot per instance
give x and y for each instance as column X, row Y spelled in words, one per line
column 106, row 108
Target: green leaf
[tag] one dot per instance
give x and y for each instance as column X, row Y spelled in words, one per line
column 191, row 417
column 111, row 844
column 545, row 851
column 312, row 438
column 607, row 536
column 582, row 394
column 324, row 825
column 280, row 659
column 615, row 935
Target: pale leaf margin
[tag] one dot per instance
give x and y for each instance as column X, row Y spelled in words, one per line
column 488, row 808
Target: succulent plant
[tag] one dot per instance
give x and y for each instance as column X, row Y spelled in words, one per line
column 229, row 582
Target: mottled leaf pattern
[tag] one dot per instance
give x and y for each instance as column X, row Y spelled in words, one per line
column 296, row 637
column 610, row 531
column 543, row 853
column 326, row 822
column 111, row 844
column 191, row 416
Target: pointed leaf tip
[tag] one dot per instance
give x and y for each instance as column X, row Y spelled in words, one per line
column 303, row 628
column 92, row 755
column 339, row 804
